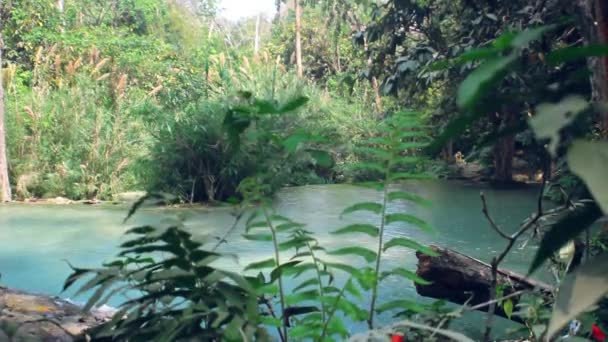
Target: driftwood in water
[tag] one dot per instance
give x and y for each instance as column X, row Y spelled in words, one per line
column 460, row 278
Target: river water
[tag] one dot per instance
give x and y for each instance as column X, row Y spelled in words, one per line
column 37, row 240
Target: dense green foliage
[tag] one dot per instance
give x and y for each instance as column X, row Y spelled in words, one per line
column 90, row 114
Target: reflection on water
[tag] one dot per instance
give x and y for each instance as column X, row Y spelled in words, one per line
column 36, row 241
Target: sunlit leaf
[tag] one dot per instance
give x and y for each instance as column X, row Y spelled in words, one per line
column 408, row 175
column 408, row 196
column 550, row 118
column 268, row 263
column 368, row 229
column 579, row 291
column 289, row 226
column 407, row 274
column 576, row 220
column 363, row 252
column 407, row 218
column 307, row 283
column 278, row 271
column 409, row 243
column 508, row 308
column 258, row 237
column 296, row 298
column 375, row 208
column 589, row 161
column 293, row 104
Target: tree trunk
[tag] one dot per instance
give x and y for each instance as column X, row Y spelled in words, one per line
column 298, row 10
column 594, row 25
column 463, row 279
column 256, row 44
column 504, row 148
column 5, row 187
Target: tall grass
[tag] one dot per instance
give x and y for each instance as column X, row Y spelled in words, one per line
column 71, row 129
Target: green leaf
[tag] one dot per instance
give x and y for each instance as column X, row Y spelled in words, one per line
column 351, row 288
column 482, row 79
column 408, row 196
column 301, row 332
column 579, row 291
column 525, row 37
column 336, row 326
column 400, row 304
column 375, row 152
column 573, row 53
column 258, row 237
column 312, row 295
column 271, row 321
column 363, row 252
column 575, row 221
column 589, row 161
column 407, row 274
column 292, row 142
column 322, row 158
column 293, row 104
column 406, row 176
column 375, row 208
column 408, row 243
column 504, row 41
column 550, row 118
column 345, row 268
column 378, row 186
column 368, row 229
column 268, row 263
column 285, row 267
column 296, row 242
column 289, row 226
column 267, row 289
column 266, row 107
column 478, row 54
column 508, row 308
column 307, row 283
column 407, row 218
column 367, row 166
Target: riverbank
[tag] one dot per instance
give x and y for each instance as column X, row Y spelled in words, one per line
column 24, row 316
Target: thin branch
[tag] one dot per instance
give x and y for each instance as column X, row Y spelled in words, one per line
column 489, row 218
column 511, row 241
column 223, row 238
column 497, row 300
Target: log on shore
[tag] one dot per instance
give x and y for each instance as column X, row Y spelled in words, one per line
column 463, row 279
column 25, row 316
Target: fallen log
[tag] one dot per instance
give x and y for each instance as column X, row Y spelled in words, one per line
column 462, row 279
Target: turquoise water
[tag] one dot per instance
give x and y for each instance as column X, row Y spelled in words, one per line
column 37, row 240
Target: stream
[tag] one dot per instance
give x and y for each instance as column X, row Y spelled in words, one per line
column 37, row 240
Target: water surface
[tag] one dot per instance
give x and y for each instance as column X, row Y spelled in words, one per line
column 37, row 240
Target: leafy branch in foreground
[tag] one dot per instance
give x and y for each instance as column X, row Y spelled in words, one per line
column 179, row 296
column 393, row 154
column 311, row 310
